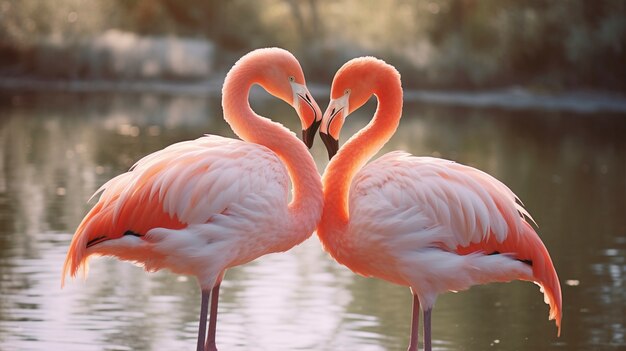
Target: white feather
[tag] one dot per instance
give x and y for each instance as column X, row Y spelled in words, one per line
column 224, row 190
column 407, row 213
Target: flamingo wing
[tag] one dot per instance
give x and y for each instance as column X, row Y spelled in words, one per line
column 444, row 225
column 211, row 190
column 195, row 180
column 459, row 205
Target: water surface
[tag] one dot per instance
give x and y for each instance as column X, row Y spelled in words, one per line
column 57, row 149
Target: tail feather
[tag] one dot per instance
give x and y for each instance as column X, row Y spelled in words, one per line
column 76, row 257
column 525, row 245
column 112, row 216
column 545, row 275
column 524, row 242
column 529, row 247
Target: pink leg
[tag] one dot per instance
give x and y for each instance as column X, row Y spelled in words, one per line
column 210, row 341
column 204, row 307
column 415, row 324
column 427, row 339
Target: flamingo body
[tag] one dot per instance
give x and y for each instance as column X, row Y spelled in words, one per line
column 198, row 204
column 436, row 226
column 427, row 223
column 200, row 207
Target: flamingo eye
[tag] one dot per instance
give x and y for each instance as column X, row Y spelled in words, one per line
column 292, row 79
column 347, row 91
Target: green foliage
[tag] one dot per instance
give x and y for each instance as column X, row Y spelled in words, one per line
column 534, row 42
column 435, row 43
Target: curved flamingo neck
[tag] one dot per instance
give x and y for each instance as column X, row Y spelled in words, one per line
column 306, row 204
column 352, row 156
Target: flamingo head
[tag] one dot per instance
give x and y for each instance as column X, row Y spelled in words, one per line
column 282, row 77
column 354, row 84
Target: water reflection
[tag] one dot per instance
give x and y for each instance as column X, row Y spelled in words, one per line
column 55, row 150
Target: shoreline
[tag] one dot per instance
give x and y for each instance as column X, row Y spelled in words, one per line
column 514, row 98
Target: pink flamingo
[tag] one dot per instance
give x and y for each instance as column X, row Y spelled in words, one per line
column 427, row 223
column 200, row 207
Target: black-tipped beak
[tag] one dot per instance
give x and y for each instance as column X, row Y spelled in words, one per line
column 332, row 145
column 308, row 135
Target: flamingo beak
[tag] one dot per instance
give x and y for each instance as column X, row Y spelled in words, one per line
column 309, row 112
column 308, row 134
column 332, row 144
column 332, row 121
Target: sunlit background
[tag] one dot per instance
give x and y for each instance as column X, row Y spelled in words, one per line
column 530, row 91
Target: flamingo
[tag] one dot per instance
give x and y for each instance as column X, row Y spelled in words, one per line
column 427, row 223
column 200, row 207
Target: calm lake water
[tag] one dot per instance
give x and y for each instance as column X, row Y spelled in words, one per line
column 57, row 149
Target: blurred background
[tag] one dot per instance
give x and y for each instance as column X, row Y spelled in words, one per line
column 532, row 92
column 542, row 44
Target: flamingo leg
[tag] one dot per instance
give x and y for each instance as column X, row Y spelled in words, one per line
column 427, row 320
column 203, row 315
column 415, row 321
column 210, row 342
